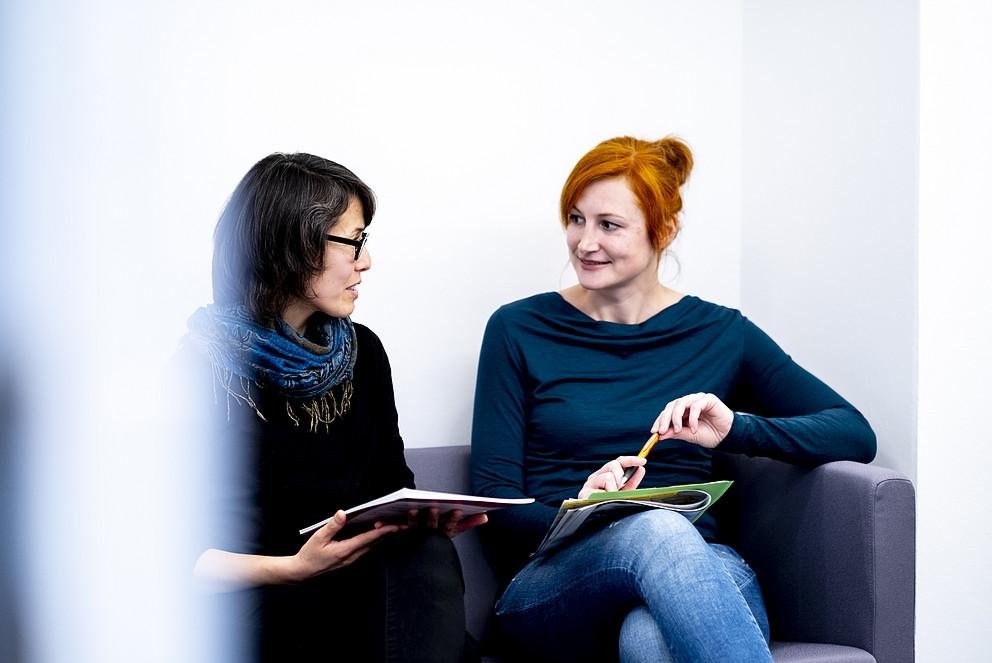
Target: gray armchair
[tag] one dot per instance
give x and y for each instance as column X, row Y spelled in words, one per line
column 833, row 547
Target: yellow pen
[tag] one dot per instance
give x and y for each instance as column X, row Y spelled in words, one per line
column 643, row 453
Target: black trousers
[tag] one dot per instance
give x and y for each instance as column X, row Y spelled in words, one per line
column 401, row 602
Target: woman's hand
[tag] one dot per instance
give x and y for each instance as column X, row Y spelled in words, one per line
column 610, row 476
column 702, row 419
column 222, row 570
column 452, row 523
column 322, row 552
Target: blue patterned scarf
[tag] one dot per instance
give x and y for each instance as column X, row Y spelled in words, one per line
column 245, row 353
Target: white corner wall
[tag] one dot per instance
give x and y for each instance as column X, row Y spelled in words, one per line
column 127, row 125
column 954, row 576
column 828, row 266
column 465, row 119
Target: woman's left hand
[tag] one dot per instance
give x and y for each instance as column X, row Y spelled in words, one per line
column 452, row 523
column 702, row 419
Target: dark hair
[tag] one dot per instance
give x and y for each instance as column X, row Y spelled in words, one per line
column 269, row 241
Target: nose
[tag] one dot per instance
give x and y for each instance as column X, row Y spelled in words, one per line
column 364, row 261
column 588, row 240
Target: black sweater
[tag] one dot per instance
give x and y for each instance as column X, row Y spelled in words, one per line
column 280, row 476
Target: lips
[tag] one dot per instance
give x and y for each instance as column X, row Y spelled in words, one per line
column 592, row 264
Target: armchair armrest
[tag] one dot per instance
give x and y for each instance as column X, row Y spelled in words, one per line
column 834, row 548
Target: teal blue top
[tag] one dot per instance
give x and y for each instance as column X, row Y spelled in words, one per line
column 559, row 394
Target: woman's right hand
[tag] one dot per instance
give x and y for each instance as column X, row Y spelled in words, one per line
column 322, row 552
column 609, row 476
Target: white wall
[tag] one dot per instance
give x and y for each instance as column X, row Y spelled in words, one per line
column 828, row 265
column 465, row 119
column 126, row 127
column 955, row 316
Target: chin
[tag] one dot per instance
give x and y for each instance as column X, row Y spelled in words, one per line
column 595, row 283
column 342, row 310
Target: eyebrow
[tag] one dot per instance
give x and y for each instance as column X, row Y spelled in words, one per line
column 613, row 215
column 357, row 232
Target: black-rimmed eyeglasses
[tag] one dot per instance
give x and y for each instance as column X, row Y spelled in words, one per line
column 359, row 244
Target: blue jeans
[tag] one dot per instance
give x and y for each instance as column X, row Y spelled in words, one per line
column 645, row 588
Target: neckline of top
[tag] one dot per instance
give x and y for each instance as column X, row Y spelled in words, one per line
column 683, row 300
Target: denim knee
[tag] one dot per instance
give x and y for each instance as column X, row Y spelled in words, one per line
column 654, row 532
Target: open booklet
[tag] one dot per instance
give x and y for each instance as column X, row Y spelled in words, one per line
column 576, row 516
column 395, row 506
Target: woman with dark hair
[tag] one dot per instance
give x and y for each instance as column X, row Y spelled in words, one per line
column 301, row 399
column 570, row 379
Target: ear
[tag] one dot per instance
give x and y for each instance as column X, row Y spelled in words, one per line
column 665, row 237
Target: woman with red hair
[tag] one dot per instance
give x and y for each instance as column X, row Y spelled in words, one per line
column 570, row 379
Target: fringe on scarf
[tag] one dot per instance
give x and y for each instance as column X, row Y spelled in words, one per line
column 320, row 411
column 324, row 409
